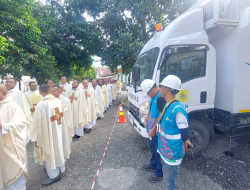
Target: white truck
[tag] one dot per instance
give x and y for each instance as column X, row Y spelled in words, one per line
column 208, row 48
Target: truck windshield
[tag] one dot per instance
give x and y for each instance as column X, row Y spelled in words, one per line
column 147, row 63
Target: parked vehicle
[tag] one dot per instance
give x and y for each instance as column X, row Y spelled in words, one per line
column 207, row 47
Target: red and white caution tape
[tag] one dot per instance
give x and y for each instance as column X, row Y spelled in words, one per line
column 104, row 151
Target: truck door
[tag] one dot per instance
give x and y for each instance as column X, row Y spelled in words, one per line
column 190, row 64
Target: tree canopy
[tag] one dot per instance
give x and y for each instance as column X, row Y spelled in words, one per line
column 55, row 39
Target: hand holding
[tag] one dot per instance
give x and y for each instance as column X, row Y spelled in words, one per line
column 186, row 143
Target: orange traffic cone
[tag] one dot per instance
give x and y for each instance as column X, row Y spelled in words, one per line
column 121, row 115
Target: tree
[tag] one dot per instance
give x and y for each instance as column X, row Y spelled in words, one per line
column 71, row 40
column 89, row 72
column 3, row 48
column 26, row 54
column 127, row 25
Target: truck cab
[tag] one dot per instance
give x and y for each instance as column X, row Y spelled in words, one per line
column 196, row 47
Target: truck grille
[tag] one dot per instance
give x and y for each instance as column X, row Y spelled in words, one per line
column 135, row 112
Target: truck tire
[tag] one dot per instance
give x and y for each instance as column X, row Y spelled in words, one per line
column 199, row 137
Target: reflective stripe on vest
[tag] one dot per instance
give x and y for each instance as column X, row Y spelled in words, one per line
column 170, row 137
column 152, row 119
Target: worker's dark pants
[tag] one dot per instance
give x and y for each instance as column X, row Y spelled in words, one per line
column 155, row 161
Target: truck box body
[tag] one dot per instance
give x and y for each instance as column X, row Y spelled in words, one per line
column 232, row 46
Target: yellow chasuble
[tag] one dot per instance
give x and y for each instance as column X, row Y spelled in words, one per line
column 13, row 154
column 33, row 97
column 118, row 87
column 105, row 89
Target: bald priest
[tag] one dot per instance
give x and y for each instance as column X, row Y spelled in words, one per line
column 13, row 154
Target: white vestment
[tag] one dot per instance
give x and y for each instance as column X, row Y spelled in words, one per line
column 33, row 97
column 106, row 92
column 110, row 95
column 20, row 99
column 50, row 133
column 66, row 88
column 13, row 154
column 67, row 117
column 113, row 91
column 79, row 109
column 116, row 88
column 91, row 97
column 101, row 100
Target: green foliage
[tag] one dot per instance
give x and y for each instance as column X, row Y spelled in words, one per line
column 128, row 25
column 26, row 54
column 89, row 72
column 71, row 39
column 3, row 48
column 48, row 41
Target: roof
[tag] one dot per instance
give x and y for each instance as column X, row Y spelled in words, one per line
column 104, row 71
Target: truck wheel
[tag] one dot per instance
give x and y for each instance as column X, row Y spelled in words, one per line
column 199, row 137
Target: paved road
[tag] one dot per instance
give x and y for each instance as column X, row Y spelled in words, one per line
column 127, row 151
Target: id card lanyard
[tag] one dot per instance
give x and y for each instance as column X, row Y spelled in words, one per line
column 163, row 113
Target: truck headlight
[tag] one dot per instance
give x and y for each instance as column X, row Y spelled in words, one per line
column 143, row 111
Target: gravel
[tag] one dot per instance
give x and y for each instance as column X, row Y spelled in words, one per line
column 126, row 153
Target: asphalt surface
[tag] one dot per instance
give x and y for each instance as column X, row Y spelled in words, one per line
column 127, row 151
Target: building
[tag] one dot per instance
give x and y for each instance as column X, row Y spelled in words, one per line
column 105, row 73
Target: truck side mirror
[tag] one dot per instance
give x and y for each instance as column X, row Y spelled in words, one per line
column 129, row 77
column 136, row 73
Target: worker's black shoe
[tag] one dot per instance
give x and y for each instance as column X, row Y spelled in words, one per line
column 155, row 178
column 49, row 181
column 147, row 167
column 99, row 118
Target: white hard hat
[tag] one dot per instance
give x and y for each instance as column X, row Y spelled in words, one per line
column 146, row 86
column 172, row 82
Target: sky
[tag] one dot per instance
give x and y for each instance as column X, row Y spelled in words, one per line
column 97, row 62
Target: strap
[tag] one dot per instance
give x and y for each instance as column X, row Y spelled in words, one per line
column 166, row 108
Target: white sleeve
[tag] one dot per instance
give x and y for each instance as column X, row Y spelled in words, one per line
column 4, row 130
column 181, row 121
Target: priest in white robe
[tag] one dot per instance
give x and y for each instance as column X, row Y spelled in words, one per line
column 51, row 83
column 113, row 91
column 109, row 91
column 20, row 99
column 100, row 98
column 105, row 89
column 66, row 87
column 79, row 108
column 91, row 97
column 57, row 92
column 49, row 132
column 33, row 96
column 118, row 87
column 13, row 154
